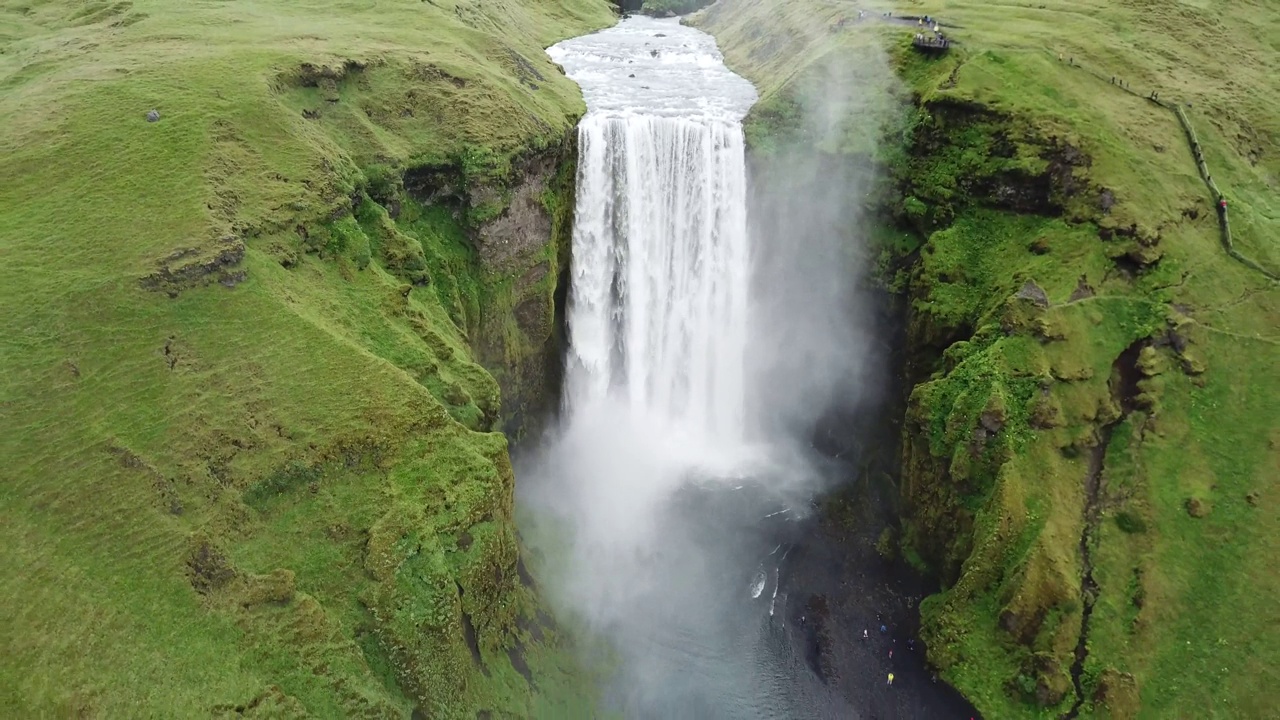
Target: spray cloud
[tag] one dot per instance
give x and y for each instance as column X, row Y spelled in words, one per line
column 712, row 323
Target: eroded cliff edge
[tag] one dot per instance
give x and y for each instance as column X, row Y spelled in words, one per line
column 1080, row 459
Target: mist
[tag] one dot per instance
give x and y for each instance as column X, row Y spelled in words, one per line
column 817, row 350
column 717, row 316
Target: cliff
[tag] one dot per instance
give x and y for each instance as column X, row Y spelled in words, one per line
column 250, row 418
column 1090, row 432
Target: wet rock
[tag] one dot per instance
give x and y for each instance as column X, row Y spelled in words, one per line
column 992, row 420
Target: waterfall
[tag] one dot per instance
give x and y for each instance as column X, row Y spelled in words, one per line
column 658, row 308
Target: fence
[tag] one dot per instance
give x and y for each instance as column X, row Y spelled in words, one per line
column 1219, row 200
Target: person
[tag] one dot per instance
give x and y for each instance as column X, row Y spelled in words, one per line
column 884, row 629
column 864, row 634
column 890, row 678
column 890, row 654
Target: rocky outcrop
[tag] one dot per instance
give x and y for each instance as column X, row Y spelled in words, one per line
column 493, row 239
column 527, row 245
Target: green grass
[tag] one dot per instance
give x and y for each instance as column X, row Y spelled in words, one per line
column 1184, row 622
column 312, row 446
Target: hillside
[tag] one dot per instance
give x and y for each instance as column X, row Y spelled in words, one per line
column 1093, row 431
column 250, row 459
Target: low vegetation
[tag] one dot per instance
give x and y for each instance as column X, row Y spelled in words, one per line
column 251, row 464
column 1092, row 435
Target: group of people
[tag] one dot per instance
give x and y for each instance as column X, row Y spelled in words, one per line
column 884, row 629
column 937, row 39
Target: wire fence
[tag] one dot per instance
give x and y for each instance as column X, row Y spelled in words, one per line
column 1219, row 199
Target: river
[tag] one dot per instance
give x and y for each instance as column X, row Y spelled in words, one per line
column 687, row 519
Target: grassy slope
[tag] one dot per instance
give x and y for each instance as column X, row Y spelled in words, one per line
column 1185, row 621
column 280, row 495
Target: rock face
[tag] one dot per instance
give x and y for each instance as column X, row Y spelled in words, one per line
column 515, row 224
column 528, row 245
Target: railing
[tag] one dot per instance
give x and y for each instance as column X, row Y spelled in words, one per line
column 1219, row 199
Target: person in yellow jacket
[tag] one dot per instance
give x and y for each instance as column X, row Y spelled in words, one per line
column 890, row 678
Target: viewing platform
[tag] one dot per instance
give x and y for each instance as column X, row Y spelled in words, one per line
column 931, row 44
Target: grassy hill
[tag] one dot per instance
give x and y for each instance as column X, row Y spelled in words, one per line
column 249, row 459
column 1093, row 437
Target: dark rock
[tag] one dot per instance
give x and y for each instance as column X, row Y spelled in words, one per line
column 153, row 116
column 1083, row 290
column 197, row 266
column 1052, row 683
column 1034, row 293
column 1106, row 200
column 516, row 655
column 1118, row 693
column 1045, row 413
column 208, row 569
column 1197, row 508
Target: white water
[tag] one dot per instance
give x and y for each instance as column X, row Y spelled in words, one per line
column 658, row 309
column 655, row 473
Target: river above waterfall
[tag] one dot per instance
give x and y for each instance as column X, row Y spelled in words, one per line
column 651, row 67
column 685, row 523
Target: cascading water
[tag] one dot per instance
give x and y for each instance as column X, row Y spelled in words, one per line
column 655, row 472
column 658, row 306
column 670, row 510
column 658, row 311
